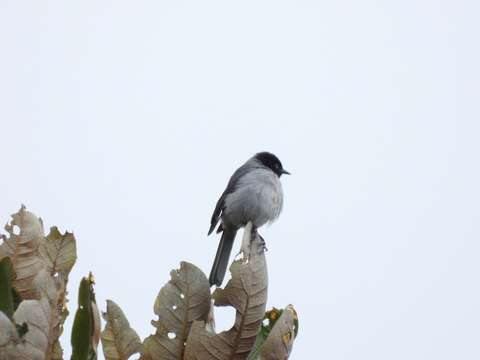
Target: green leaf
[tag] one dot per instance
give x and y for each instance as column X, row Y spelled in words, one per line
column 6, row 293
column 17, row 299
column 85, row 323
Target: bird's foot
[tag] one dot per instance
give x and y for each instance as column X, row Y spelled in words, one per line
column 263, row 245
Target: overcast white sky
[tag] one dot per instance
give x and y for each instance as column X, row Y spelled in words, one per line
column 122, row 121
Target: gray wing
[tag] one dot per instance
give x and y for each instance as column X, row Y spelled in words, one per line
column 231, row 186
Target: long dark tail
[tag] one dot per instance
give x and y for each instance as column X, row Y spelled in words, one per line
column 223, row 255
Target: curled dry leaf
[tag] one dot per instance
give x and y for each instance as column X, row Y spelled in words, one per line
column 119, row 340
column 247, row 293
column 22, row 248
column 279, row 342
column 184, row 299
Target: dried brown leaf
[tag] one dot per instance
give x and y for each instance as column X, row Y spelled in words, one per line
column 59, row 252
column 9, row 340
column 279, row 342
column 184, row 299
column 41, row 266
column 22, row 248
column 247, row 293
column 119, row 340
column 40, row 318
column 97, row 326
column 57, row 351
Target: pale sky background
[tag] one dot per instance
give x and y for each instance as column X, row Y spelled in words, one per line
column 122, row 121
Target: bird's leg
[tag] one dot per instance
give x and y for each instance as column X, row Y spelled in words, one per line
column 253, row 234
column 247, row 240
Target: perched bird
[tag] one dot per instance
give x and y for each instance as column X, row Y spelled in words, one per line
column 254, row 193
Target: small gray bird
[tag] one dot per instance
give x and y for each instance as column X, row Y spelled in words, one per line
column 254, row 193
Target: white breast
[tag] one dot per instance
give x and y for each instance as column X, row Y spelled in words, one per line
column 258, row 198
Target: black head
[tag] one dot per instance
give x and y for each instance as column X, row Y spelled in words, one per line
column 272, row 162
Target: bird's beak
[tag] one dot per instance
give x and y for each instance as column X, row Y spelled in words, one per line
column 285, row 172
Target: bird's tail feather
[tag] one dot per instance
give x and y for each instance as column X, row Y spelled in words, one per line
column 220, row 264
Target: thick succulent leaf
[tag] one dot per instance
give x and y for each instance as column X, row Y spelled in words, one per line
column 22, row 249
column 59, row 252
column 119, row 340
column 247, row 293
column 81, row 329
column 184, row 299
column 275, row 338
column 86, row 325
column 6, row 291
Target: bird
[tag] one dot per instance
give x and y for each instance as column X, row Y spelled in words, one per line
column 253, row 194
